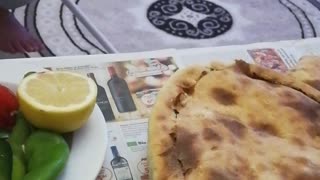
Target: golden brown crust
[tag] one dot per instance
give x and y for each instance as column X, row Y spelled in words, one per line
column 161, row 151
column 308, row 71
column 258, row 72
column 235, row 122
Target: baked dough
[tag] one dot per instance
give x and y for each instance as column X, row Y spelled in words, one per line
column 237, row 122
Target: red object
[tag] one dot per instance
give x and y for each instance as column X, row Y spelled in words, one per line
column 112, row 71
column 8, row 108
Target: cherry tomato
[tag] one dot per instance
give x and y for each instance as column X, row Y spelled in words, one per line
column 8, row 107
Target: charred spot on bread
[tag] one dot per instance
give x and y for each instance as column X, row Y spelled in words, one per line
column 234, row 126
column 265, row 128
column 297, row 141
column 188, row 154
column 314, row 130
column 306, row 107
column 161, row 117
column 209, row 134
column 224, row 96
column 307, row 176
column 216, row 174
column 288, row 95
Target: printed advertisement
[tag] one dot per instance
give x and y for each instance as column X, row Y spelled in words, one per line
column 126, row 157
column 134, row 85
column 279, row 59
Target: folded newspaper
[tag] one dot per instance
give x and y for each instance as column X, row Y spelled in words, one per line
column 128, row 86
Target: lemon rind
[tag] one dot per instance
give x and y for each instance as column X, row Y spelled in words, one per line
column 72, row 107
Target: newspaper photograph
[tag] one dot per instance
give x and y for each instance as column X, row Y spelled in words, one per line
column 133, row 85
column 268, row 58
column 280, row 59
column 126, row 156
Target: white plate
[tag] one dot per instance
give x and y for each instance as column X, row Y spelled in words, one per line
column 13, row 73
column 88, row 147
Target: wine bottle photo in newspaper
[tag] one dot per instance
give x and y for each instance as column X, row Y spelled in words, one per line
column 102, row 100
column 120, row 166
column 120, row 92
column 134, row 85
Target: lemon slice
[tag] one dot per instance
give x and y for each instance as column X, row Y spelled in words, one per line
column 57, row 100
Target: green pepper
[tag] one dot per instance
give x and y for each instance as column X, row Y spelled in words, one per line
column 47, row 154
column 17, row 139
column 18, row 168
column 5, row 160
column 4, row 134
column 28, row 73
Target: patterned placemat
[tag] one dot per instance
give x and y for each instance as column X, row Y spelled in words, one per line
column 158, row 24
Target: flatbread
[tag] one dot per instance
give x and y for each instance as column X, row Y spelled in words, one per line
column 308, row 71
column 239, row 122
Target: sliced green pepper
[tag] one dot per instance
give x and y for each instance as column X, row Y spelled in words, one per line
column 47, row 154
column 5, row 160
column 17, row 138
